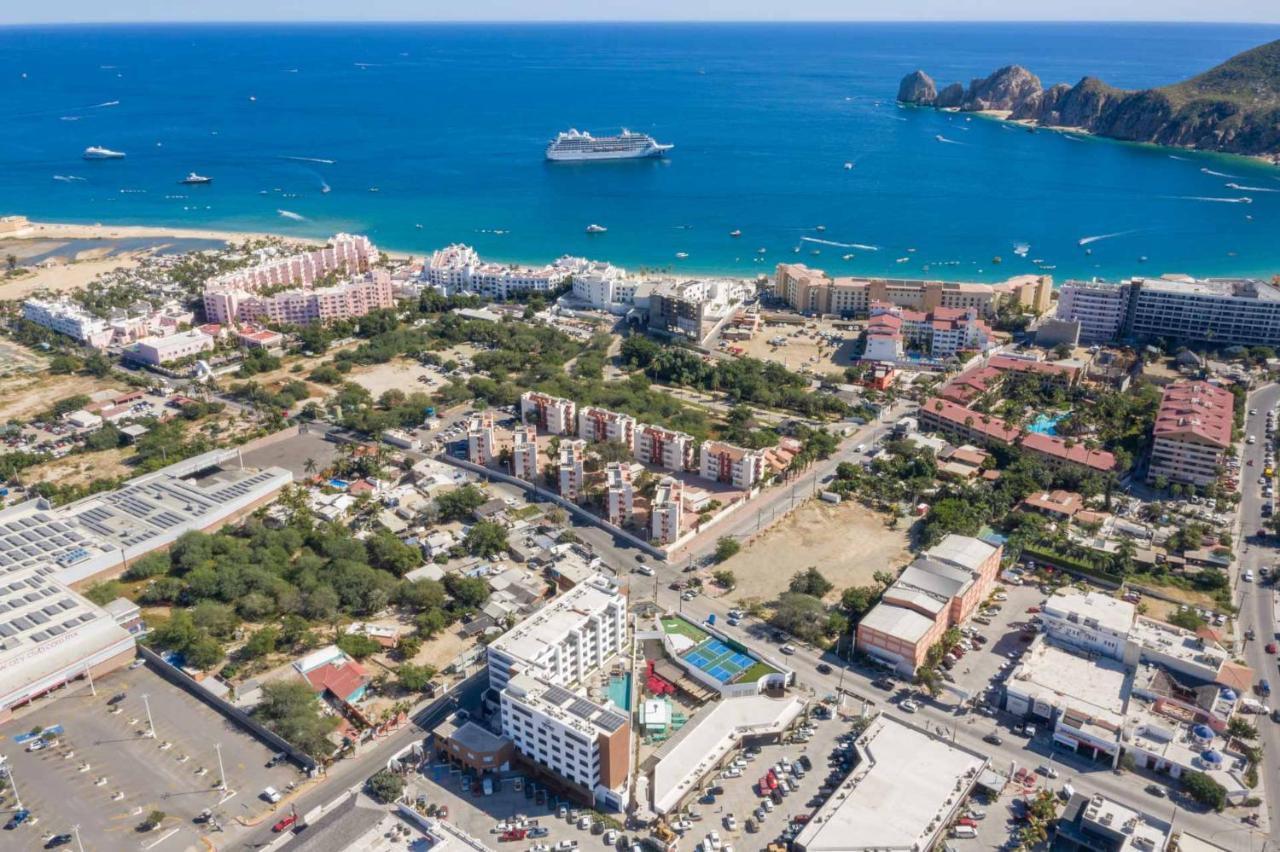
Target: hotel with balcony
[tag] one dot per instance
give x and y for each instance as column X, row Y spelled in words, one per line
column 664, row 448
column 1192, row 433
column 524, row 453
column 736, row 466
column 551, row 414
column 665, row 510
column 598, row 425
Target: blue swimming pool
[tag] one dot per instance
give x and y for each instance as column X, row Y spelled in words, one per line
column 1047, row 424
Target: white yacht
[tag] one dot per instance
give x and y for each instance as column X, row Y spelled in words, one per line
column 95, row 153
column 578, row 146
column 194, row 178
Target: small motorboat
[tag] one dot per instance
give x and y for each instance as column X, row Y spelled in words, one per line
column 593, row 228
column 194, row 178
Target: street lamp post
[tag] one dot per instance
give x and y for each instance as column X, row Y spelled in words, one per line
column 151, row 725
column 222, row 775
column 75, row 829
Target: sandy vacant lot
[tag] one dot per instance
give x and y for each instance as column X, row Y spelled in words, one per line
column 22, row 396
column 61, row 275
column 400, row 374
column 79, row 469
column 848, row 543
column 803, row 347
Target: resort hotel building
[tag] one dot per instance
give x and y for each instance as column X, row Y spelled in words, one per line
column 66, row 317
column 1192, row 433
column 551, row 414
column 458, row 269
column 576, row 740
column 812, row 291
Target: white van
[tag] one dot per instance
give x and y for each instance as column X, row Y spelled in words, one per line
column 967, row 832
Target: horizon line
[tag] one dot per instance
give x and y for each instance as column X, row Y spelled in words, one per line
column 614, row 21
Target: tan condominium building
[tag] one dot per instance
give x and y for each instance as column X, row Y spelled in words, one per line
column 549, row 413
column 736, row 466
column 812, row 291
column 524, row 453
column 665, row 510
column 480, row 439
column 1192, row 433
column 664, row 448
column 599, row 425
column 572, row 475
column 620, row 493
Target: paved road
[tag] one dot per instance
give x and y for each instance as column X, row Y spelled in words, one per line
column 351, row 772
column 1256, row 601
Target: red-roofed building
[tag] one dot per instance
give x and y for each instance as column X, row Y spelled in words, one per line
column 1056, row 452
column 1192, row 433
column 940, row 415
column 346, row 680
column 940, row 333
column 1064, row 374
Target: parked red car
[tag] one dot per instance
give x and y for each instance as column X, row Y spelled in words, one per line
column 1271, row 647
column 1033, row 609
column 972, row 823
column 513, row 834
column 284, row 824
column 800, row 819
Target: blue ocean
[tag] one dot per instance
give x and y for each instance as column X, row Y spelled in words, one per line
column 422, row 135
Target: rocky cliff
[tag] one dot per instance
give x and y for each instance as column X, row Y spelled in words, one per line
column 1234, row 107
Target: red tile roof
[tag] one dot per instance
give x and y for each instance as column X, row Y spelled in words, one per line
column 1019, row 365
column 341, row 679
column 1077, row 453
column 993, row 428
column 1196, row 410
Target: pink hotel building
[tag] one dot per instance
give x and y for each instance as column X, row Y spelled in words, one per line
column 239, row 296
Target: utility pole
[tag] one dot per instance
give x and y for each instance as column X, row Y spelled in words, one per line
column 17, row 799
column 222, row 775
column 88, row 670
column 75, row 829
column 151, row 725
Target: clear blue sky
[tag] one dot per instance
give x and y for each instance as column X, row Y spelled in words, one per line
column 79, row 11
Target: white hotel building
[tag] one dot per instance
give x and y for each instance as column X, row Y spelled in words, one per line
column 524, row 453
column 66, row 317
column 572, row 475
column 566, row 640
column 665, row 510
column 620, row 494
column 458, row 269
column 582, row 742
column 481, row 446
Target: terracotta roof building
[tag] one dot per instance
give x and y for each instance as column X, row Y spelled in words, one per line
column 1192, row 433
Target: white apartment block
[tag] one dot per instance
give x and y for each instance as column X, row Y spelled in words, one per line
column 66, row 317
column 572, row 475
column 524, row 453
column 567, row 640
column 1094, row 623
column 664, row 448
column 549, row 413
column 1220, row 311
column 620, row 494
column 1099, row 307
column 736, row 466
column 480, row 439
column 598, row 425
column 601, row 285
column 458, row 268
column 162, row 350
column 665, row 510
column 584, row 743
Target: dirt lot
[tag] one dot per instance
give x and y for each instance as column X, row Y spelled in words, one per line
column 848, row 543
column 400, row 374
column 61, row 276
column 24, row 395
column 79, row 469
column 804, row 346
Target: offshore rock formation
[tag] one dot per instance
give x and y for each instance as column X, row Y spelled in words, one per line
column 1233, row 108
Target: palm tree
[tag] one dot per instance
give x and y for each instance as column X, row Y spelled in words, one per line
column 309, row 466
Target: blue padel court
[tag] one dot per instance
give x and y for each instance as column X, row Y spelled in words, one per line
column 719, row 660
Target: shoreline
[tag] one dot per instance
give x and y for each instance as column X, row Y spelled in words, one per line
column 46, row 231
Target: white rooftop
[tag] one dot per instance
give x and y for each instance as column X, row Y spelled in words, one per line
column 1102, row 814
column 962, row 550
column 709, row 736
column 897, row 621
column 1103, row 610
column 544, row 629
column 1098, row 687
column 899, row 796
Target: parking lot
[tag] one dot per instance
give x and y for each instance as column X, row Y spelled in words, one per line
column 102, row 773
column 546, row 824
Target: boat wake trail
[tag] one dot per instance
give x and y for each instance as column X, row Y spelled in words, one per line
column 944, row 139
column 1252, row 188
column 289, row 214
column 68, row 178
column 310, row 160
column 862, row 246
column 1216, row 174
column 1084, row 241
column 1242, row 200
column 105, row 104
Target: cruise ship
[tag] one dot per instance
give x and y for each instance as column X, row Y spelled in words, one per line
column 95, row 153
column 577, row 146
